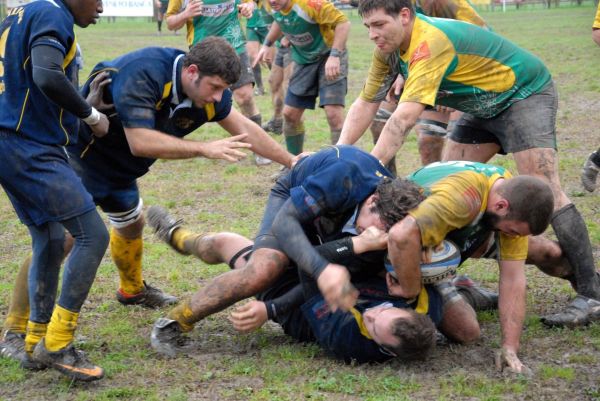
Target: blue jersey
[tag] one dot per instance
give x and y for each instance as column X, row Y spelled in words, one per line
column 24, row 109
column 343, row 334
column 146, row 92
column 331, row 183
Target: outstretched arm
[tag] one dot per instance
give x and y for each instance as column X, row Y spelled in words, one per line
column 511, row 305
column 236, row 124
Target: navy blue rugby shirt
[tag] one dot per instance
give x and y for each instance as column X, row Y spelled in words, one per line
column 146, row 92
column 343, row 335
column 23, row 107
column 326, row 188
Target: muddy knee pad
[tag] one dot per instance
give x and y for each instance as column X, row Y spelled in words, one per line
column 574, row 241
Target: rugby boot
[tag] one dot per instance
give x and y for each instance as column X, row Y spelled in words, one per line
column 12, row 346
column 589, row 173
column 167, row 338
column 478, row 297
column 69, row 361
column 581, row 311
column 150, row 297
column 274, row 126
column 164, row 225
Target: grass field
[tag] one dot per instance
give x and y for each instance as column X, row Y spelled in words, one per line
column 266, row 365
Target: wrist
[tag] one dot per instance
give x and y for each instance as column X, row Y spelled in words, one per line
column 335, row 53
column 93, row 118
column 268, row 43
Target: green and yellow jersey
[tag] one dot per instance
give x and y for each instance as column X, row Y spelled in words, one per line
column 596, row 24
column 260, row 17
column 309, row 25
column 460, row 65
column 457, row 198
column 219, row 18
column 375, row 90
column 461, row 10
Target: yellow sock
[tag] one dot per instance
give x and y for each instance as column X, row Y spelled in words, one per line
column 183, row 240
column 183, row 314
column 127, row 255
column 61, row 329
column 18, row 311
column 35, row 332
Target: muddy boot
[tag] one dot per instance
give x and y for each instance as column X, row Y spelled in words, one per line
column 167, row 338
column 581, row 311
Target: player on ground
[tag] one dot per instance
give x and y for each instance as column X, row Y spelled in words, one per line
column 510, row 105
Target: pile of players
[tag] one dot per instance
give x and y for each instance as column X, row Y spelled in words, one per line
column 332, row 219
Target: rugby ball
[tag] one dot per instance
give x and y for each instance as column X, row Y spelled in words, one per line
column 444, row 262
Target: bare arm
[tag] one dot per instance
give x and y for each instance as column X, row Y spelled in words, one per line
column 177, row 21
column 236, row 123
column 144, row 142
column 264, row 53
column 359, row 117
column 511, row 305
column 332, row 65
column 404, row 251
column 596, row 36
column 395, row 130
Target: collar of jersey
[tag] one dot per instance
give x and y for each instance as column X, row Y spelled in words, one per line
column 177, row 91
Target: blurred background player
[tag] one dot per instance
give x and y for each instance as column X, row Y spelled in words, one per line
column 317, row 32
column 257, row 28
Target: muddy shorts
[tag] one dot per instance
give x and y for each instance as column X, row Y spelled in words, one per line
column 283, row 57
column 246, row 75
column 257, row 33
column 308, row 82
column 279, row 194
column 526, row 124
column 111, row 195
column 39, row 181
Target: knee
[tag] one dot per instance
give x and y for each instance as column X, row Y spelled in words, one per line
column 291, row 116
column 243, row 96
column 263, row 269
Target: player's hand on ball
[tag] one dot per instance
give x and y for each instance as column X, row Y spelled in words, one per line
column 95, row 97
column 334, row 283
column 226, row 149
column 508, row 361
column 249, row 316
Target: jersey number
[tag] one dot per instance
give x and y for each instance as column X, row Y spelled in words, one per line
column 3, row 39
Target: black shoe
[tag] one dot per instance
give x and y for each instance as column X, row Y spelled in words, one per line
column 150, row 297
column 68, row 361
column 164, row 225
column 274, row 125
column 12, row 346
column 581, row 311
column 167, row 338
column 478, row 297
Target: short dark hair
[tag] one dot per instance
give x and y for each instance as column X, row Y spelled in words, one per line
column 529, row 200
column 394, row 198
column 391, row 7
column 415, row 334
column 215, row 56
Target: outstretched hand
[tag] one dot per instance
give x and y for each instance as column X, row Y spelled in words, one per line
column 249, row 316
column 226, row 149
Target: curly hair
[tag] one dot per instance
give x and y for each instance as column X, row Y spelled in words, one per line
column 215, row 56
column 394, row 198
